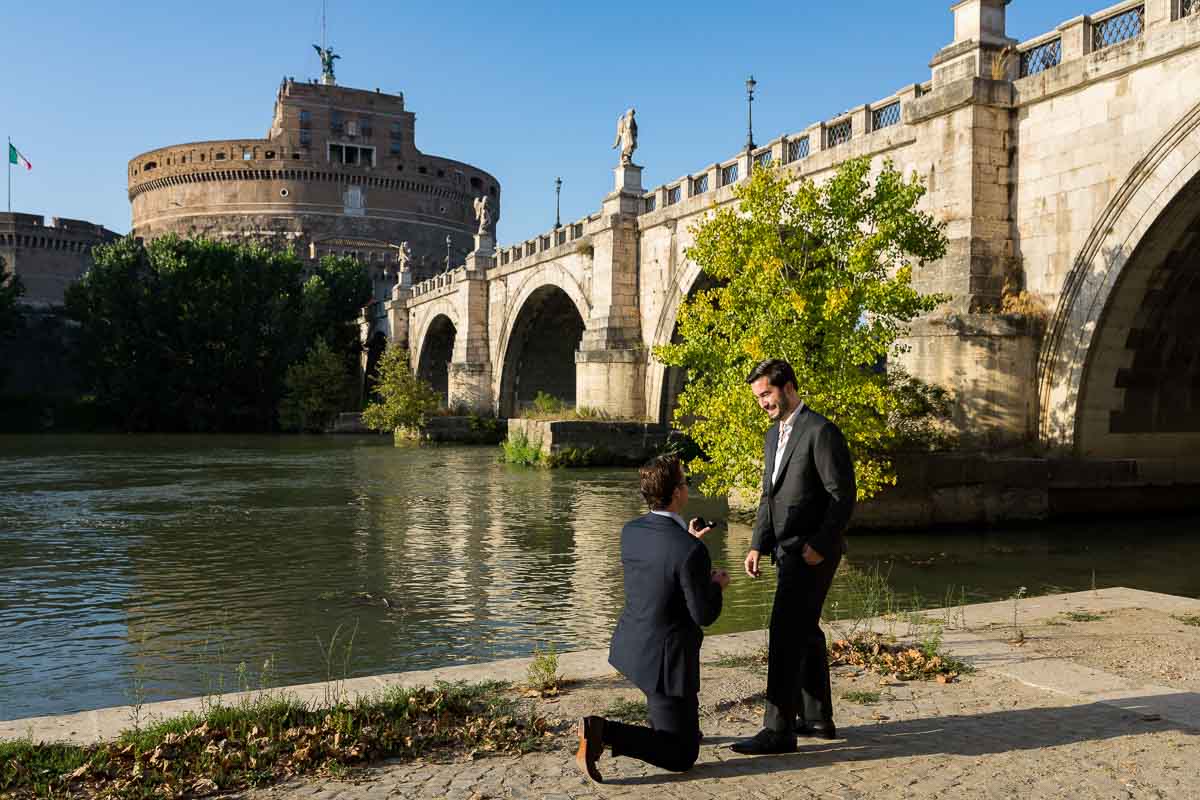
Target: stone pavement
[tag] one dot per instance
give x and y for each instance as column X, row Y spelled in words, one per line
column 1029, row 723
column 1099, row 700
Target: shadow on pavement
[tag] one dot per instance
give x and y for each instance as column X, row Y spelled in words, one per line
column 965, row 735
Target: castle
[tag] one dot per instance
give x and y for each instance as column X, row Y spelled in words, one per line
column 48, row 258
column 339, row 172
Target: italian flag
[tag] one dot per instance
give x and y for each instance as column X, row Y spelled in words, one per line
column 15, row 157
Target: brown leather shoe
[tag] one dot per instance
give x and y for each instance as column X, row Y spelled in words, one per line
column 591, row 745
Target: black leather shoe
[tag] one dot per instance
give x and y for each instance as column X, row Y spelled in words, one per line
column 816, row 730
column 591, row 745
column 765, row 742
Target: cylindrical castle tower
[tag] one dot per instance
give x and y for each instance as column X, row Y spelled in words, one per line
column 339, row 172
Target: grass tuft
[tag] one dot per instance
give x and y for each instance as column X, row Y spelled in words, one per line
column 861, row 698
column 741, row 660
column 632, row 712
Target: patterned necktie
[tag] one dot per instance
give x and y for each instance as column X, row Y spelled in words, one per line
column 785, row 430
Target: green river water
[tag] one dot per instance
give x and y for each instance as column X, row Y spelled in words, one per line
column 151, row 567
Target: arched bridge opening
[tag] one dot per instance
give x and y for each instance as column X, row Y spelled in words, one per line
column 437, row 351
column 675, row 378
column 541, row 351
column 1140, row 395
column 375, row 347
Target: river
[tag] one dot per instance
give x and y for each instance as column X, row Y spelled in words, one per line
column 155, row 567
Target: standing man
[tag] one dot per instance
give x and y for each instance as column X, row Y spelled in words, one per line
column 671, row 592
column 808, row 495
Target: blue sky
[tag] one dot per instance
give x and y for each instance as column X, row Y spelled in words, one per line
column 526, row 90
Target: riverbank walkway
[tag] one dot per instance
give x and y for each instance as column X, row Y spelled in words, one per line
column 1087, row 695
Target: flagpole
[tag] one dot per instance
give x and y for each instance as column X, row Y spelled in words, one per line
column 8, row 159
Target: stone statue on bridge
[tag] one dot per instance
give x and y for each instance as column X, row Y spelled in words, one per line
column 483, row 213
column 404, row 269
column 626, row 136
column 327, row 58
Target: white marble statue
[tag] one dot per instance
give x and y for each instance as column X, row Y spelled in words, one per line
column 483, row 213
column 626, row 136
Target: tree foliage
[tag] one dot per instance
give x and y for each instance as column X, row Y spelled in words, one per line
column 315, row 390
column 820, row 275
column 11, row 319
column 11, row 290
column 197, row 335
column 402, row 400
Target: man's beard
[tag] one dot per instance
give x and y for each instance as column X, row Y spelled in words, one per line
column 783, row 410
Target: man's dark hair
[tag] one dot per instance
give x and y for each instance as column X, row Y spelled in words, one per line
column 778, row 372
column 661, row 476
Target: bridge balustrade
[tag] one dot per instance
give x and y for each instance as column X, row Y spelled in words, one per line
column 1121, row 27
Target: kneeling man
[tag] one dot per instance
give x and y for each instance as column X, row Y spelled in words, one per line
column 671, row 592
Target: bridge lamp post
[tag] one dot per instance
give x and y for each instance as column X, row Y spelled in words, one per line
column 557, row 196
column 750, row 84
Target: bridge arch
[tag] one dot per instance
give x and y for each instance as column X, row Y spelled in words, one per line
column 543, row 327
column 1120, row 362
column 374, row 351
column 429, row 320
column 666, row 384
column 437, row 351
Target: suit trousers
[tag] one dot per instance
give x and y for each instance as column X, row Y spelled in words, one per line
column 672, row 741
column 798, row 661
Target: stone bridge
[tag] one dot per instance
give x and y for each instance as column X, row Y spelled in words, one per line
column 1065, row 168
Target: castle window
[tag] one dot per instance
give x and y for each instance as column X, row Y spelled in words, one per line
column 269, row 154
column 397, row 130
column 395, row 148
column 149, row 165
column 305, row 137
column 247, row 154
column 351, row 155
column 364, row 127
column 337, row 122
column 305, row 119
column 219, row 157
column 476, row 183
column 202, row 156
column 441, row 173
column 422, row 170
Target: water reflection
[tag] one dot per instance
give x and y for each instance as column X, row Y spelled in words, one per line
column 172, row 566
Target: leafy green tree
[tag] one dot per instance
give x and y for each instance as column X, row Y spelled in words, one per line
column 189, row 335
column 198, row 335
column 11, row 290
column 316, row 389
column 403, row 400
column 334, row 293
column 11, row 318
column 820, row 275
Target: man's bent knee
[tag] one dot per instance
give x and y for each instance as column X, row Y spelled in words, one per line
column 684, row 758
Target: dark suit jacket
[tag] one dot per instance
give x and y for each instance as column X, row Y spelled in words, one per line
column 813, row 497
column 669, row 595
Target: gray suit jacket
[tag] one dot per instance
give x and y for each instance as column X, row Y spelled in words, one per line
column 812, row 499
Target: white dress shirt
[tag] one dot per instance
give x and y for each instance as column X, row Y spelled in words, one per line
column 673, row 516
column 785, row 432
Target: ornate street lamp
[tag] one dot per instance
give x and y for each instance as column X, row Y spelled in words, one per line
column 447, row 252
column 557, row 196
column 750, row 84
